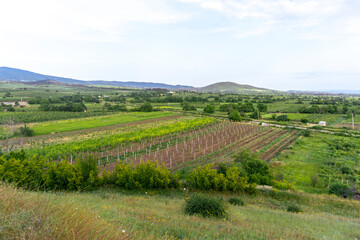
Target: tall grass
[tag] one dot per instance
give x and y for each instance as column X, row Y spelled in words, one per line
column 104, row 214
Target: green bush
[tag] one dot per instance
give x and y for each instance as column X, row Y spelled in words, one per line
column 235, row 116
column 304, row 120
column 283, row 185
column 26, row 131
column 146, row 107
column 340, row 189
column 209, row 109
column 144, row 176
column 256, row 170
column 205, row 178
column 236, row 201
column 205, row 206
column 293, row 208
column 282, row 118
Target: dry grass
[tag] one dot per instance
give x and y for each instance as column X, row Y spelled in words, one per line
column 105, row 213
column 30, row 215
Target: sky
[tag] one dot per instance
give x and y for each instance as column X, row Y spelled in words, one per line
column 277, row 44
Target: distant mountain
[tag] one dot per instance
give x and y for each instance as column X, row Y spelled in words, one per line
column 231, row 87
column 326, row 92
column 13, row 74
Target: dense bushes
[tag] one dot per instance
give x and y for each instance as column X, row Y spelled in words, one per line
column 257, row 171
column 205, row 206
column 144, row 176
column 205, row 178
column 37, row 173
column 26, row 131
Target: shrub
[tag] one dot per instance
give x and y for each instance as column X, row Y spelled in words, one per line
column 304, row 120
column 62, row 176
column 236, row 201
column 89, row 173
column 146, row 107
column 144, row 176
column 205, row 206
column 282, row 118
column 205, row 178
column 235, row 116
column 26, row 131
column 306, row 133
column 283, row 185
column 209, row 109
column 339, row 189
column 293, row 208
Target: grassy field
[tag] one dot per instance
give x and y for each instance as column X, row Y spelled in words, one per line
column 93, row 122
column 286, row 107
column 316, row 155
column 113, row 214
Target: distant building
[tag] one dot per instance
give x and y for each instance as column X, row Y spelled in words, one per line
column 13, row 104
column 322, row 123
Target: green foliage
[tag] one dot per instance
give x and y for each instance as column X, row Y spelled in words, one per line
column 144, row 176
column 206, row 178
column 236, row 201
column 282, row 118
column 262, row 107
column 257, row 170
column 187, row 107
column 146, row 107
column 294, row 208
column 306, row 133
column 283, row 185
column 209, row 109
column 37, row 173
column 235, row 116
column 62, row 176
column 304, row 120
column 26, row 131
column 205, row 206
column 339, row 189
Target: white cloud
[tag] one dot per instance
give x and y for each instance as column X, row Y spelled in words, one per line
column 272, row 9
column 277, row 14
column 92, row 20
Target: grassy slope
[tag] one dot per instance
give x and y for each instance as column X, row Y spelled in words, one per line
column 104, row 214
column 93, row 122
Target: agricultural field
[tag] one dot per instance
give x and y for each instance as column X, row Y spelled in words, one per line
column 93, row 122
column 133, row 158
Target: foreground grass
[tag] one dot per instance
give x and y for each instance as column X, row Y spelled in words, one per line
column 113, row 214
column 93, row 122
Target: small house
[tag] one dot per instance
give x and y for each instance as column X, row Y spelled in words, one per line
column 322, row 123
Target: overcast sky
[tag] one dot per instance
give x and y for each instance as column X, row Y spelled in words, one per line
column 278, row 44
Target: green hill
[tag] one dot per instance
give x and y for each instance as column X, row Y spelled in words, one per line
column 232, row 87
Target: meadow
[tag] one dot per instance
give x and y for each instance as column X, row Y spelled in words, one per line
column 116, row 214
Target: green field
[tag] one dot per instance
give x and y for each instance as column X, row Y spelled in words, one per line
column 318, row 155
column 93, row 122
column 313, row 118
